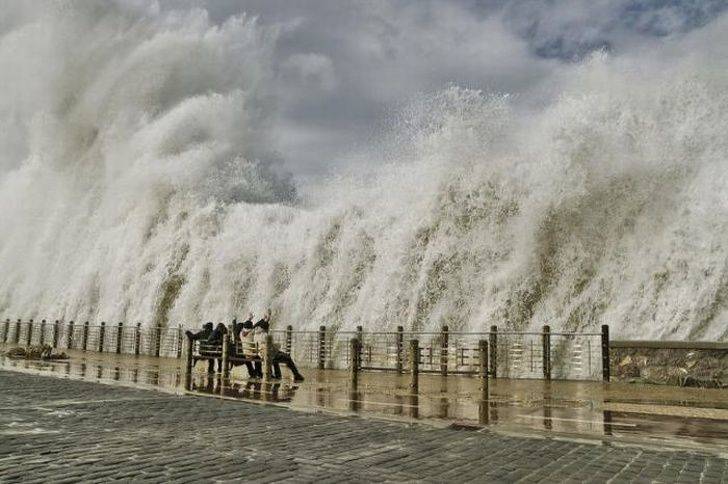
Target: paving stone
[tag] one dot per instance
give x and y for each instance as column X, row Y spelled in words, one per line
column 126, row 434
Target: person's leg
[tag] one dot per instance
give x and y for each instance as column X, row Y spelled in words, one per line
column 276, row 369
column 258, row 368
column 251, row 369
column 286, row 358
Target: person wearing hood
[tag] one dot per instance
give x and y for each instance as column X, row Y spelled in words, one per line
column 215, row 337
column 202, row 336
column 262, row 328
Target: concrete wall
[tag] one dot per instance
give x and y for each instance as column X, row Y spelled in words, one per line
column 670, row 363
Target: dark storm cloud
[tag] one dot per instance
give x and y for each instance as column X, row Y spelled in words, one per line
column 340, row 66
column 568, row 29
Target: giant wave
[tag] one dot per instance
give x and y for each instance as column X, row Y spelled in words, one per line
column 136, row 184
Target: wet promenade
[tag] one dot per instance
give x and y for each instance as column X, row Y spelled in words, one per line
column 624, row 431
column 661, row 415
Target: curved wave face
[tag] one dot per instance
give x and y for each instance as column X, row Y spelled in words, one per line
column 137, row 184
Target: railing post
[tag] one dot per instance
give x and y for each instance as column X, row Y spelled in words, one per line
column 226, row 356
column 179, row 341
column 289, row 339
column 605, row 353
column 355, row 364
column 400, row 348
column 137, row 338
column 119, row 337
column 493, row 343
column 17, row 332
column 102, row 335
column 483, row 364
column 29, row 339
column 444, row 343
column 6, row 334
column 322, row 348
column 268, row 357
column 546, row 341
column 360, row 337
column 188, row 363
column 41, row 338
column 85, row 336
column 69, row 338
column 56, row 333
column 157, row 340
column 414, row 364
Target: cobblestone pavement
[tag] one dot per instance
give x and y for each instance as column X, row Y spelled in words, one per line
column 67, row 430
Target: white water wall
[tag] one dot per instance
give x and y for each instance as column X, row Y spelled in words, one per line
column 136, row 184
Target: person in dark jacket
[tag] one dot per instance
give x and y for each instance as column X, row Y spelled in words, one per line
column 215, row 337
column 237, row 327
column 202, row 336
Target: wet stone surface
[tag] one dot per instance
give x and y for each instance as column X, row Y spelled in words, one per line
column 67, row 430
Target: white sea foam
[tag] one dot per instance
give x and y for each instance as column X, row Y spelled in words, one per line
column 135, row 186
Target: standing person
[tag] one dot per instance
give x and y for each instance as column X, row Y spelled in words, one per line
column 262, row 329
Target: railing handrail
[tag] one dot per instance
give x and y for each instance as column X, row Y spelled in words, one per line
column 110, row 325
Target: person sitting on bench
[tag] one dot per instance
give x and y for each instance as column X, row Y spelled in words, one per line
column 215, row 337
column 202, row 336
column 237, row 327
column 250, row 349
column 243, row 335
column 262, row 328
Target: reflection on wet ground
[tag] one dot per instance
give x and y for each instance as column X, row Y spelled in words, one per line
column 651, row 415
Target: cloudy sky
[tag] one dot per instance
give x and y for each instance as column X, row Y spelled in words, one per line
column 342, row 67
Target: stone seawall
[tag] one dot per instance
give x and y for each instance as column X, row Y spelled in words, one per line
column 670, row 363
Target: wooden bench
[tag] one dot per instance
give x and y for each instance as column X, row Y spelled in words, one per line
column 237, row 357
column 228, row 353
column 204, row 351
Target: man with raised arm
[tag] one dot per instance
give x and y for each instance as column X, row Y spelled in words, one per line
column 262, row 328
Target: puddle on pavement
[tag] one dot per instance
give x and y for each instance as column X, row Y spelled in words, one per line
column 659, row 415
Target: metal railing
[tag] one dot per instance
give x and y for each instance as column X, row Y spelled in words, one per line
column 511, row 354
column 117, row 338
